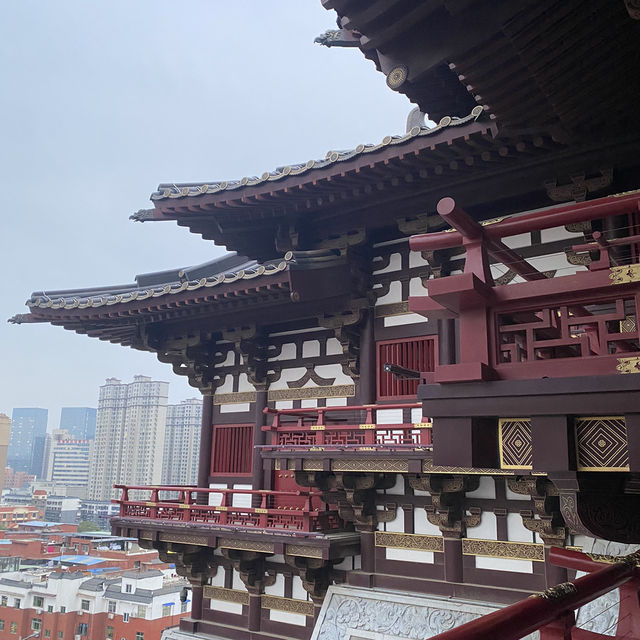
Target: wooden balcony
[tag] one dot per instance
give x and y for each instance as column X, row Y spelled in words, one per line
column 287, row 512
column 346, row 438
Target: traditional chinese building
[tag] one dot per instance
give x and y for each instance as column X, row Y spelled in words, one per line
column 419, row 367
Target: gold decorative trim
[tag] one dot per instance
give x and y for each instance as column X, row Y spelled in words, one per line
column 371, row 464
column 199, row 541
column 423, row 425
column 628, row 365
column 317, row 427
column 303, row 607
column 310, row 393
column 239, row 397
column 394, row 309
column 632, row 559
column 429, row 467
column 514, row 438
column 226, row 595
column 502, row 549
column 367, row 426
column 559, row 592
column 307, row 465
column 624, row 275
column 145, row 535
column 245, row 545
column 302, row 551
column 417, row 542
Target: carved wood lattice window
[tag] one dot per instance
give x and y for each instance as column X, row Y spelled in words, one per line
column 418, row 354
column 232, row 449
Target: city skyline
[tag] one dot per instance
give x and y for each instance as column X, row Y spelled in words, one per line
column 91, row 130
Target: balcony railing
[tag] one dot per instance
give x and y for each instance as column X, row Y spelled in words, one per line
column 534, row 323
column 325, row 428
column 227, row 508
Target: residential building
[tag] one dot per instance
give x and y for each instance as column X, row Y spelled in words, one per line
column 26, row 442
column 98, row 511
column 17, row 479
column 68, row 459
column 420, row 369
column 11, row 516
column 64, row 604
column 5, row 428
column 62, row 509
column 80, row 422
column 182, row 442
column 129, row 435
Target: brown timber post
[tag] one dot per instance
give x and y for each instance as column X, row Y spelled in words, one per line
column 206, row 440
column 259, row 479
column 367, row 395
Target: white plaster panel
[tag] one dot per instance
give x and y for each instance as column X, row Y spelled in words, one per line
column 416, row 287
column 277, row 588
column 334, row 348
column 521, row 240
column 416, row 415
column 288, row 618
column 394, row 295
column 226, row 607
column 284, row 404
column 504, row 564
column 398, row 487
column 288, row 352
column 336, row 402
column 389, row 416
column 516, row 531
column 550, row 262
column 218, row 579
column 241, row 499
column 421, row 525
column 229, row 360
column 405, row 318
column 227, row 385
column 215, row 499
column 332, row 371
column 236, row 582
column 409, row 555
column 397, row 524
column 235, row 408
column 297, row 590
column 310, row 348
column 244, row 384
column 486, row 489
column 416, row 259
column 395, row 264
column 288, row 375
column 487, row 529
column 308, row 404
column 559, row 233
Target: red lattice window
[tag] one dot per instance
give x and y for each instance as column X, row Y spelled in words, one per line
column 232, row 449
column 418, row 354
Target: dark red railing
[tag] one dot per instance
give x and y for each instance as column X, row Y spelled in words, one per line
column 305, row 429
column 552, row 612
column 274, row 513
column 545, row 325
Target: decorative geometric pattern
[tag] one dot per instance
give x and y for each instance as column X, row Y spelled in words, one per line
column 409, row 541
column 371, row 464
column 601, row 443
column 291, row 605
column 307, row 393
column 500, row 549
column 245, row 545
column 515, row 443
column 239, row 397
column 303, row 551
column 226, row 595
column 201, row 541
column 429, row 467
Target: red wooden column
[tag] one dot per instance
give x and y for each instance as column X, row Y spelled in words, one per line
column 206, row 440
column 259, row 479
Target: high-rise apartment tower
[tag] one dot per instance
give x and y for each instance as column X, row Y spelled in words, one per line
column 182, row 442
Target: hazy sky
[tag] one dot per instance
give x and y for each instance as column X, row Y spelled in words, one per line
column 101, row 100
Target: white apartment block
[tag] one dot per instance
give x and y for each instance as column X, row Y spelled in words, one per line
column 67, row 459
column 129, row 435
column 182, row 442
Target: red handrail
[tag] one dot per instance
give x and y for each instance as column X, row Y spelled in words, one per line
column 554, row 608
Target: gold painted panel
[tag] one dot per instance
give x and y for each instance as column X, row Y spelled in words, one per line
column 414, row 541
column 200, row 541
column 226, row 595
column 393, row 309
column 309, row 393
column 514, row 435
column 502, row 549
column 245, row 545
column 601, row 443
column 303, row 607
column 239, row 397
column 302, row 551
column 429, row 467
column 371, row 464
